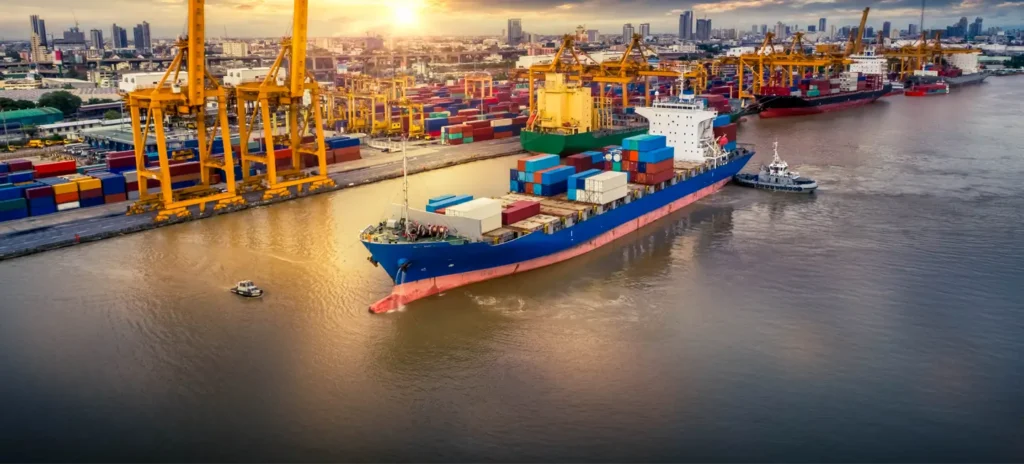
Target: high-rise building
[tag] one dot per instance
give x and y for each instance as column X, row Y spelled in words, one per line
column 703, row 31
column 975, row 29
column 821, row 24
column 764, row 28
column 961, row 27
column 627, row 33
column 811, row 28
column 96, row 37
column 686, row 26
column 74, row 36
column 912, row 30
column 593, row 36
column 753, row 29
column 869, row 32
column 120, row 38
column 39, row 28
column 645, row 30
column 886, row 29
column 780, row 30
column 142, row 39
column 514, row 31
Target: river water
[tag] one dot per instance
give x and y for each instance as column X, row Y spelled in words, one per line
column 880, row 320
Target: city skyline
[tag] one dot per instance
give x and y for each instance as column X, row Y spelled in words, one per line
column 271, row 18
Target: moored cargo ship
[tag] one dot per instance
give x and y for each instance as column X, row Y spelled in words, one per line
column 647, row 178
column 850, row 90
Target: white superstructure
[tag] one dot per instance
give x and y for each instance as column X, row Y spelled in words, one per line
column 687, row 126
column 137, row 81
column 236, row 76
column 967, row 62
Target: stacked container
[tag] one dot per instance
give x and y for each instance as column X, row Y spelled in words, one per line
column 522, row 179
column 114, row 188
column 485, row 210
column 446, row 201
column 90, row 192
column 54, row 169
column 121, row 161
column 577, row 182
column 646, row 159
column 519, row 211
column 603, row 188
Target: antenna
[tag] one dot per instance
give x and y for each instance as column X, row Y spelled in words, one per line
column 405, row 185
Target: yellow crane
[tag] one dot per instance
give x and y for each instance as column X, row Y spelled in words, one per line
column 186, row 90
column 298, row 97
column 855, row 44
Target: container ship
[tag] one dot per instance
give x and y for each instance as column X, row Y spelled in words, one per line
column 815, row 96
column 962, row 69
column 557, row 211
column 567, row 121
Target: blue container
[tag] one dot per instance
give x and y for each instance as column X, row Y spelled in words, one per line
column 4, row 167
column 456, row 200
column 112, row 183
column 542, row 162
column 41, row 206
column 538, row 189
column 87, row 202
column 559, row 174
column 11, row 192
column 523, row 176
column 3, row 178
column 20, row 176
column 513, row 174
column 579, row 180
column 571, row 193
column 17, row 213
column 656, row 156
column 435, row 124
column 335, row 143
column 722, row 120
column 516, row 129
column 643, row 142
column 513, row 186
column 507, row 128
column 439, row 199
column 730, row 146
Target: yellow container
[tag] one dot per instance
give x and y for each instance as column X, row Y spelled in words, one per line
column 65, row 188
column 90, row 184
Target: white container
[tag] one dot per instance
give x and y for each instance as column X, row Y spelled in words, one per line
column 480, row 208
column 235, row 76
column 136, row 81
column 489, row 224
column 834, row 91
column 133, row 194
column 67, row 206
column 606, row 181
column 601, row 198
column 130, row 176
column 501, row 122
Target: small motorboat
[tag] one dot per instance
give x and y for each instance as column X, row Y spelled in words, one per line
column 247, row 289
column 777, row 177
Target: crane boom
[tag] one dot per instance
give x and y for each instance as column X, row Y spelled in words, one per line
column 298, row 59
column 196, row 52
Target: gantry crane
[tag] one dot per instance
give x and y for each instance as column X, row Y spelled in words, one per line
column 631, row 66
column 185, row 91
column 296, row 96
column 479, row 81
column 855, row 44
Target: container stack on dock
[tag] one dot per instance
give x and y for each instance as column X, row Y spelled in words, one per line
column 478, row 127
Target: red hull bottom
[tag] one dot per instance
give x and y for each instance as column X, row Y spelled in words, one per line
column 405, row 293
column 921, row 93
column 784, row 112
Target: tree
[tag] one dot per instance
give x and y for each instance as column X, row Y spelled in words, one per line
column 67, row 86
column 112, row 114
column 6, row 104
column 96, row 101
column 67, row 102
column 14, row 55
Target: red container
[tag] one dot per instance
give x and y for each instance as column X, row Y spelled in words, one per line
column 59, row 168
column 70, row 197
column 346, row 154
column 39, row 192
column 19, row 165
column 456, row 120
column 482, row 131
column 502, row 135
column 519, row 211
column 455, row 142
column 115, row 198
column 93, row 193
column 188, row 167
column 132, row 186
column 309, row 161
column 469, row 112
column 479, row 124
column 651, row 179
column 661, row 166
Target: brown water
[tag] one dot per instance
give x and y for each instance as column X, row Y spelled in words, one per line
column 879, row 320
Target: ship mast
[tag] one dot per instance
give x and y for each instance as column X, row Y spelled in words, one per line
column 405, row 187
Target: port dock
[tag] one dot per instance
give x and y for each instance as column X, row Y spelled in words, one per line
column 38, row 234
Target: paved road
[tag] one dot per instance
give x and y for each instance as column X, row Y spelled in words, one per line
column 34, row 235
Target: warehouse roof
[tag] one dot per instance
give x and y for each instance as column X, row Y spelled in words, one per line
column 31, row 112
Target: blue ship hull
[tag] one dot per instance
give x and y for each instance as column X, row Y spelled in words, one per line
column 436, row 260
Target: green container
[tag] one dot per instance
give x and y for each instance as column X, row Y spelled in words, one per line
column 455, row 136
column 813, row 93
column 8, row 205
column 467, row 140
column 617, row 166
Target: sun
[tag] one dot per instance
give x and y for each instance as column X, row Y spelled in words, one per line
column 405, row 12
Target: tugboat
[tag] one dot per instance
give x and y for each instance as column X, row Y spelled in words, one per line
column 777, row 177
column 248, row 289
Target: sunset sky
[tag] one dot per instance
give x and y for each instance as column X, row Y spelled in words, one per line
column 263, row 18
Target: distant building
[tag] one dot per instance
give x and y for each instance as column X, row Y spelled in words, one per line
column 753, row 29
column 912, row 30
column 142, row 39
column 974, row 29
column 869, row 32
column 61, row 82
column 703, row 31
column 811, row 28
column 627, row 33
column 39, row 28
column 515, row 31
column 645, row 30
column 103, row 78
column 120, row 37
column 236, row 49
column 96, row 37
column 886, row 29
column 821, row 24
column 686, row 26
column 37, row 49
column 764, row 29
column 593, row 36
